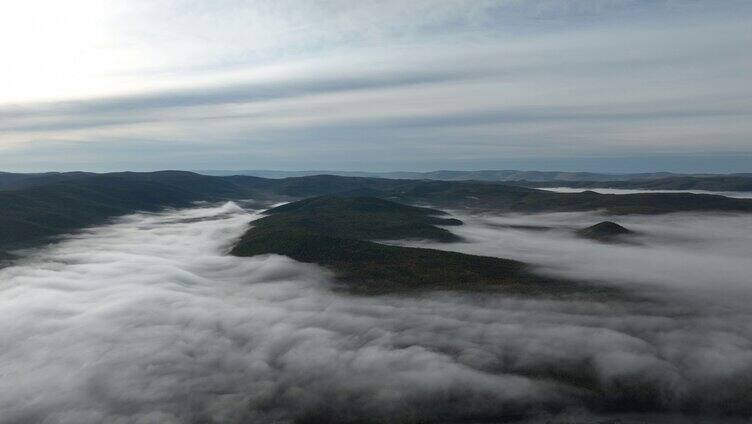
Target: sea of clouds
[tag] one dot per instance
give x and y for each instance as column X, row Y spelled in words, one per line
column 148, row 320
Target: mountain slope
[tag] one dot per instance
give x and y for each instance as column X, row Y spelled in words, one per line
column 12, row 181
column 366, row 218
column 31, row 214
column 336, row 233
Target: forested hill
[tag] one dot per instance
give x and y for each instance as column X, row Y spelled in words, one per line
column 338, row 233
column 33, row 208
column 68, row 202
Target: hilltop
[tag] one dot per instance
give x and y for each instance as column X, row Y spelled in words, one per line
column 606, row 231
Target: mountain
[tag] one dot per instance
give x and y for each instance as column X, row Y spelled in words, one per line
column 484, row 175
column 338, row 233
column 736, row 182
column 605, row 231
column 61, row 203
column 511, row 175
column 367, row 218
column 505, row 198
column 479, row 195
column 11, row 181
column 276, row 174
column 33, row 213
column 361, row 218
column 646, row 181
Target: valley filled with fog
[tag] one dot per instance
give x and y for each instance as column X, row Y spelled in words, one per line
column 376, row 212
column 148, row 319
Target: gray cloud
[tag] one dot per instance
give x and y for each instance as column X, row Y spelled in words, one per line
column 478, row 81
column 147, row 320
column 131, row 109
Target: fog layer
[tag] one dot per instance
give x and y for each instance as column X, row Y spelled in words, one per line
column 149, row 320
column 735, row 194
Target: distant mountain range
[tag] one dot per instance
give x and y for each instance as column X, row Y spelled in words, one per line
column 646, row 181
column 735, row 182
column 484, row 175
column 34, row 207
column 10, row 180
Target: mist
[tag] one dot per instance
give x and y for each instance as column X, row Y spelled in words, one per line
column 735, row 194
column 682, row 254
column 149, row 320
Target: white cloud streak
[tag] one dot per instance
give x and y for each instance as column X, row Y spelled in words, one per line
column 519, row 78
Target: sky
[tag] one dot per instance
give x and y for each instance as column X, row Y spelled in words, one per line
column 593, row 85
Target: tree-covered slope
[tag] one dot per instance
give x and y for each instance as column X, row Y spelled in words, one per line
column 336, row 233
column 13, row 181
column 359, row 218
column 34, row 213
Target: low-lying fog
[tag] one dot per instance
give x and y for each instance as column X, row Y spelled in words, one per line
column 737, row 194
column 149, row 321
column 679, row 254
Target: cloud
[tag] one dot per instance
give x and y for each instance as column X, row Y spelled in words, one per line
column 480, row 80
column 148, row 320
